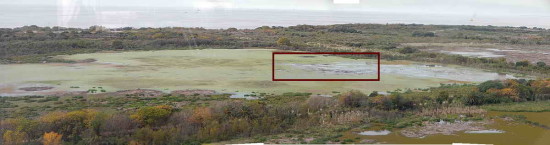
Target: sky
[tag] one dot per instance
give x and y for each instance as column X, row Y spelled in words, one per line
column 496, row 7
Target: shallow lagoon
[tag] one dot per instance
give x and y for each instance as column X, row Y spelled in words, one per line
column 368, row 70
column 500, row 132
column 223, row 70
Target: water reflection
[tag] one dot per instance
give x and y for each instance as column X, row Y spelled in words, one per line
column 371, row 133
column 485, row 131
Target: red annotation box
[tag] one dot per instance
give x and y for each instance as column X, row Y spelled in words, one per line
column 324, row 53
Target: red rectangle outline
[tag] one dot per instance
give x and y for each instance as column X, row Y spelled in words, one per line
column 336, row 53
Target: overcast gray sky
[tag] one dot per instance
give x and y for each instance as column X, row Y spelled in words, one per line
column 527, row 7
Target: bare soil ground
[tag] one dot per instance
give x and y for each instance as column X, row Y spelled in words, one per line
column 193, row 92
column 140, row 93
column 445, row 128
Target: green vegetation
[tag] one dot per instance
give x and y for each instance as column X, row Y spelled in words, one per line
column 204, row 119
column 101, row 117
column 283, row 41
column 151, row 115
column 17, row 45
column 423, row 34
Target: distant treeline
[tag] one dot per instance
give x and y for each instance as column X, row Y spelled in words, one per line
column 32, row 44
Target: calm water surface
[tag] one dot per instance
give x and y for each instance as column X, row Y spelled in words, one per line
column 85, row 16
column 499, row 133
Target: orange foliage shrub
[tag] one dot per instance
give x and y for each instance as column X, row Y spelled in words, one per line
column 201, row 115
column 52, row 138
column 541, row 86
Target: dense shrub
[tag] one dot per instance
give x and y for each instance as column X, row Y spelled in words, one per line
column 152, row 115
column 423, row 34
column 406, row 50
column 353, row 99
column 483, row 87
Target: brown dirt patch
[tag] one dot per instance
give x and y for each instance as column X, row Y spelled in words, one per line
column 193, row 92
column 7, row 89
column 140, row 93
column 89, row 60
column 368, row 141
column 35, row 88
column 66, row 93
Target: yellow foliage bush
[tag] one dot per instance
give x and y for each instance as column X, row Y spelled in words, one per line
column 13, row 137
column 151, row 115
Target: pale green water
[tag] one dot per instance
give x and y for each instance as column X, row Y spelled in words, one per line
column 243, row 70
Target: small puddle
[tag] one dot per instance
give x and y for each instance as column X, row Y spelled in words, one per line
column 374, row 133
column 474, row 54
column 322, row 95
column 502, row 50
column 485, row 131
column 239, row 95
